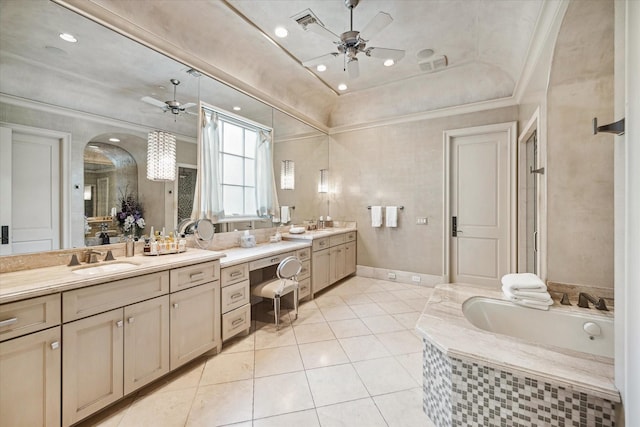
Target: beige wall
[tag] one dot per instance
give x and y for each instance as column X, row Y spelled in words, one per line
column 579, row 164
column 399, row 164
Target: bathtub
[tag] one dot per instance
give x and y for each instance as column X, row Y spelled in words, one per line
column 585, row 333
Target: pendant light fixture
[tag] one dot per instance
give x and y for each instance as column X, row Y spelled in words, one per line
column 323, row 184
column 287, row 175
column 161, row 156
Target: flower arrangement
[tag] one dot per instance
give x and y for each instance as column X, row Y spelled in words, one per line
column 130, row 216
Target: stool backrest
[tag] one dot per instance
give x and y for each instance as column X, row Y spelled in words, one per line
column 289, row 267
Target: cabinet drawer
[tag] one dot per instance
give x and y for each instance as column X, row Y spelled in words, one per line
column 303, row 254
column 305, row 288
column 194, row 275
column 24, row 317
column 235, row 296
column 236, row 321
column 319, row 244
column 338, row 239
column 91, row 300
column 235, row 274
column 267, row 261
column 350, row 236
column 305, row 271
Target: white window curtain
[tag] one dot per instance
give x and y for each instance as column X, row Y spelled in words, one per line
column 207, row 200
column 266, row 192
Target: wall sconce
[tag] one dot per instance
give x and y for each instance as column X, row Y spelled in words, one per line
column 287, row 175
column 323, row 184
column 161, row 156
column 87, row 192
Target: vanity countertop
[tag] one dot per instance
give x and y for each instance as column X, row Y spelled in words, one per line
column 444, row 325
column 318, row 234
column 234, row 256
column 35, row 282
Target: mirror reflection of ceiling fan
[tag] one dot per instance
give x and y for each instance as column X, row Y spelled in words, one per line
column 350, row 43
column 173, row 106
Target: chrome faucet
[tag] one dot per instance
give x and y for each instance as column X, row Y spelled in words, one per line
column 584, row 299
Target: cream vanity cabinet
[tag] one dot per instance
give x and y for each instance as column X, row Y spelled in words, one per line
column 334, row 258
column 122, row 335
column 30, row 362
column 304, row 278
column 235, row 300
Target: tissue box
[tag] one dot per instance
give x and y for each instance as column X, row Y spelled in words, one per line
column 247, row 241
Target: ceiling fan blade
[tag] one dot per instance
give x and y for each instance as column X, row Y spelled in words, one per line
column 377, row 24
column 187, row 105
column 314, row 27
column 153, row 101
column 320, row 59
column 353, row 68
column 382, row 53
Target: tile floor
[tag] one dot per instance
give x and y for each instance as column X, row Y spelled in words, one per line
column 351, row 358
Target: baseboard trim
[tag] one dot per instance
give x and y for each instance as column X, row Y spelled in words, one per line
column 428, row 280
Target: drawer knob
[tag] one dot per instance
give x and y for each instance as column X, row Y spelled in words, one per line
column 55, row 345
column 8, row 322
column 175, row 305
column 119, row 323
column 130, row 320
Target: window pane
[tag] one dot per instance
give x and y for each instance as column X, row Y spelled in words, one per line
column 232, row 170
column 249, row 172
column 232, row 200
column 232, row 139
column 251, row 139
column 250, row 200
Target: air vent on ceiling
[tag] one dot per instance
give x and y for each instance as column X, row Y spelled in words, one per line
column 435, row 63
column 305, row 18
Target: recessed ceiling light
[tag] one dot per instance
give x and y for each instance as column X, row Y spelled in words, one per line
column 114, row 140
column 342, row 86
column 68, row 37
column 425, row 53
column 389, row 62
column 236, row 108
column 321, row 68
column 281, row 32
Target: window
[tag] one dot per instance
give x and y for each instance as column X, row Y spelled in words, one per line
column 238, row 168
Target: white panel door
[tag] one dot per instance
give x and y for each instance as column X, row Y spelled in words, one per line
column 30, row 170
column 479, row 197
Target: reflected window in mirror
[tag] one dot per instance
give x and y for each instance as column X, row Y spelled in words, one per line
column 185, row 189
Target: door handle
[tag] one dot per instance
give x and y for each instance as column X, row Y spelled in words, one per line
column 454, row 227
column 5, row 234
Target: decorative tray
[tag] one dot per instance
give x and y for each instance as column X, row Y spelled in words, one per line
column 165, row 252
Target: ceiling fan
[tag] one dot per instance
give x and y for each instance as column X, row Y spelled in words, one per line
column 173, row 106
column 351, row 42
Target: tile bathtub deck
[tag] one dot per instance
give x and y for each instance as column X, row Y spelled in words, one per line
column 352, row 357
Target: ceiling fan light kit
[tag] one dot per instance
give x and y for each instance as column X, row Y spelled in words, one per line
column 174, row 106
column 351, row 42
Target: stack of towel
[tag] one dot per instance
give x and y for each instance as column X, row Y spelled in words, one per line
column 526, row 289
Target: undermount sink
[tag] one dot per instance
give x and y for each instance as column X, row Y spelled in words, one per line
column 114, row 267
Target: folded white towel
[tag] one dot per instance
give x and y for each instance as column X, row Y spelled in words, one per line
column 391, row 219
column 532, row 304
column 533, row 296
column 285, row 214
column 376, row 216
column 528, row 282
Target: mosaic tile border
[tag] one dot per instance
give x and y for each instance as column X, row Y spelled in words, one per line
column 465, row 393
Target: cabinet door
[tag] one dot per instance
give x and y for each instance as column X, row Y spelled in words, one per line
column 336, row 263
column 195, row 322
column 146, row 342
column 92, row 364
column 30, row 380
column 320, row 270
column 350, row 258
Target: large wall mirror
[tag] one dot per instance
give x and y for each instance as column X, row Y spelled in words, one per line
column 107, row 89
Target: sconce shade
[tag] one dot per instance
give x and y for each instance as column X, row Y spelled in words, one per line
column 287, row 175
column 161, row 156
column 323, row 184
column 87, row 192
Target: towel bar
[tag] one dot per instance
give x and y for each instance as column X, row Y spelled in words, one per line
column 399, row 207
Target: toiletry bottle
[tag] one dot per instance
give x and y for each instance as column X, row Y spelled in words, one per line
column 147, row 246
column 129, row 247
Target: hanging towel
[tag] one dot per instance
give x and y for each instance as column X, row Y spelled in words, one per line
column 528, row 282
column 285, row 214
column 376, row 216
column 391, row 216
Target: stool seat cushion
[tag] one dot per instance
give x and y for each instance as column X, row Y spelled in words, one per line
column 273, row 288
